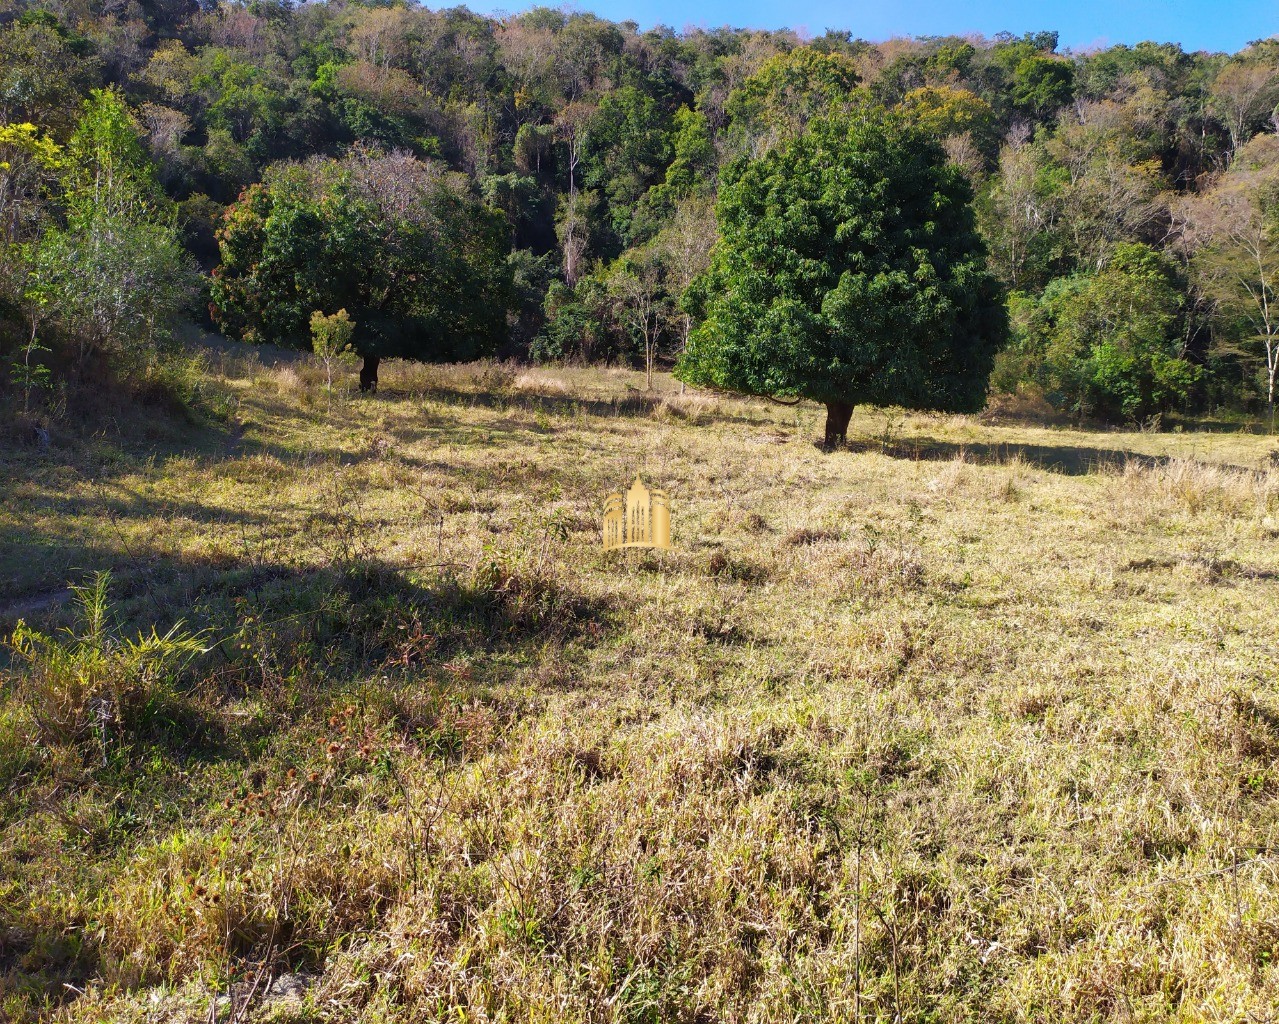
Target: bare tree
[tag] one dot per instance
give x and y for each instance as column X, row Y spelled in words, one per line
column 165, row 128
column 528, row 55
column 684, row 248
column 573, row 224
column 635, row 283
column 1242, row 96
column 381, row 35
column 1023, row 211
column 1233, row 233
column 1114, row 186
column 571, row 127
column 964, row 154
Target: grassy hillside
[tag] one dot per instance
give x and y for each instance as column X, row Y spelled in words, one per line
column 971, row 722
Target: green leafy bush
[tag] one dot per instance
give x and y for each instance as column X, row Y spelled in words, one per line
column 1107, row 345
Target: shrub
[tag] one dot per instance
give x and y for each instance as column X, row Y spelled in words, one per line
column 331, row 339
column 574, row 328
column 92, row 679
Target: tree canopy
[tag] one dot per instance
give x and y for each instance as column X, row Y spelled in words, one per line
column 406, row 248
column 567, row 147
column 849, row 270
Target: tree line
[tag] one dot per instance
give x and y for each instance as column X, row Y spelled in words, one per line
column 547, row 185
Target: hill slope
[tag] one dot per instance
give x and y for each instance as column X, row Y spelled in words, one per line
column 968, row 723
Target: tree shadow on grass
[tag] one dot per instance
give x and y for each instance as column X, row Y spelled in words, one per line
column 359, row 611
column 498, row 605
column 630, row 404
column 291, row 640
column 1069, row 460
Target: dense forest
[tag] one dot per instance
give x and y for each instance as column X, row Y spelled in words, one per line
column 543, row 186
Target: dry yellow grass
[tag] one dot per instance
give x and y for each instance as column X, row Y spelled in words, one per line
column 969, row 722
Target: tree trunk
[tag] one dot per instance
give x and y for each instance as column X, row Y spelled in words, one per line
column 837, row 416
column 688, row 326
column 1272, row 365
column 368, row 374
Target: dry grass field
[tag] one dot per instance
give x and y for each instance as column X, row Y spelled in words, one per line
column 969, row 722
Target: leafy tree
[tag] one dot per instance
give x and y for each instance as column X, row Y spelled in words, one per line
column 330, row 340
column 574, row 328
column 1109, row 344
column 849, row 269
column 778, row 100
column 691, row 173
column 246, row 102
column 902, row 74
column 1105, row 72
column 593, row 139
column 626, row 151
column 533, row 144
column 28, row 372
column 952, row 61
column 693, row 164
column 945, row 110
column 44, row 70
column 531, row 276
column 587, row 50
column 962, row 121
column 171, row 73
column 522, row 201
column 116, row 275
column 227, row 164
column 114, row 284
column 1042, row 85
column 407, row 249
column 29, row 162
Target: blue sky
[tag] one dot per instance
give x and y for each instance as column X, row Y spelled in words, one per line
column 1196, row 24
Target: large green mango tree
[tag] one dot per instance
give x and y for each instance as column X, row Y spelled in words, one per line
column 848, row 270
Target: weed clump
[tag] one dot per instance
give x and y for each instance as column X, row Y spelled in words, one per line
column 93, row 682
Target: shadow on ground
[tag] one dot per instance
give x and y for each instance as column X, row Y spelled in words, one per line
column 288, row 638
column 1069, row 460
column 633, row 403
